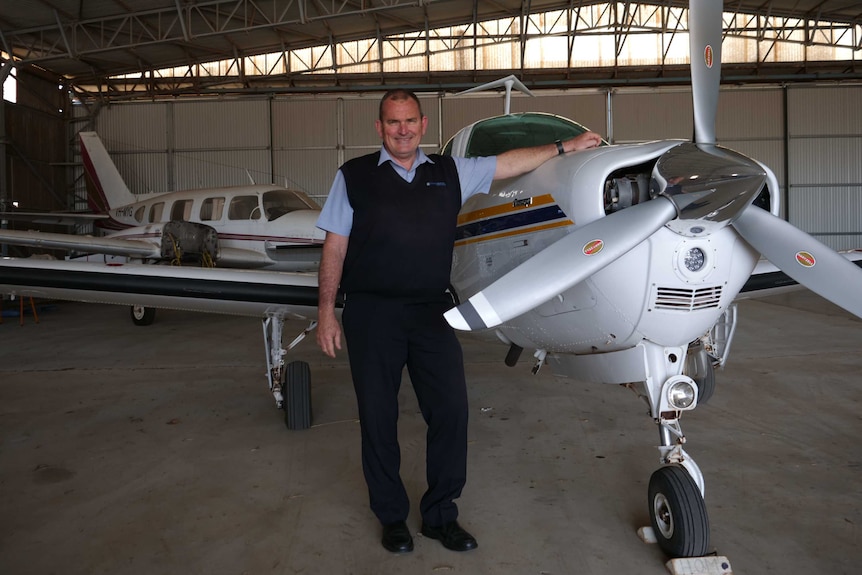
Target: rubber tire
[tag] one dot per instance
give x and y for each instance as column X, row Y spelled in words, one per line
column 145, row 316
column 297, row 395
column 684, row 529
column 706, row 383
column 699, row 367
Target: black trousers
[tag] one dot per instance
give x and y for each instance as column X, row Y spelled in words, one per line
column 383, row 335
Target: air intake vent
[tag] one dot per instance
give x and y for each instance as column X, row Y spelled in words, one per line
column 687, row 299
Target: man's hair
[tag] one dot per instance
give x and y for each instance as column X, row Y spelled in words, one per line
column 399, row 94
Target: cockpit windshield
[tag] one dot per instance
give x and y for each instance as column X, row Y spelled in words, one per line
column 497, row 135
column 276, row 203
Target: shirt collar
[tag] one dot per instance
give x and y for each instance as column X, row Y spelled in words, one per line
column 421, row 158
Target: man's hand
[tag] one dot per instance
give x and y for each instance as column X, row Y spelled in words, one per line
column 328, row 333
column 328, row 278
column 584, row 141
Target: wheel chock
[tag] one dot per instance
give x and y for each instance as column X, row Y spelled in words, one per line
column 647, row 535
column 709, row 565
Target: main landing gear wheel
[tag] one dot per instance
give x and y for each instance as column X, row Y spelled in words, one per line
column 678, row 513
column 297, row 395
column 142, row 315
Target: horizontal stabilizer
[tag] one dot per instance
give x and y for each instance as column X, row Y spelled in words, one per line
column 53, row 218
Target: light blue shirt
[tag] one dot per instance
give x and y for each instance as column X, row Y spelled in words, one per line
column 474, row 174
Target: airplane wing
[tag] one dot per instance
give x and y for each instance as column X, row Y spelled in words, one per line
column 88, row 244
column 217, row 290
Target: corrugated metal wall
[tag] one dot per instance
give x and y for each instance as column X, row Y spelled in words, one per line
column 825, row 163
column 306, row 140
column 814, row 142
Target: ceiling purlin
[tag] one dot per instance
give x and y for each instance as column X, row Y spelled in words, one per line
column 56, row 9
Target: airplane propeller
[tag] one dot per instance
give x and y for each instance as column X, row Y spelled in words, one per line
column 707, row 187
column 803, row 258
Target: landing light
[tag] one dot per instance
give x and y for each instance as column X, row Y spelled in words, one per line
column 681, row 395
column 694, row 259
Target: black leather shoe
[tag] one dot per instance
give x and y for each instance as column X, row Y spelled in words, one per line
column 451, row 535
column 397, row 538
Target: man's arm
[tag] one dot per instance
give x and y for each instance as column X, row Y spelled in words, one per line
column 522, row 160
column 328, row 279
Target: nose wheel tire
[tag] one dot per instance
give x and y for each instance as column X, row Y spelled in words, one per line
column 142, row 315
column 678, row 513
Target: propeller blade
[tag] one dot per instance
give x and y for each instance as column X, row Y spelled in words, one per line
column 704, row 26
column 803, row 258
column 561, row 265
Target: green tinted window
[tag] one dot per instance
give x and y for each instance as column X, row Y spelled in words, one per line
column 497, row 135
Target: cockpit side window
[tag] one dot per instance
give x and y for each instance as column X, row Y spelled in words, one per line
column 276, row 203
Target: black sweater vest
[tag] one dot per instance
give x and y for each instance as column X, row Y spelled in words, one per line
column 403, row 232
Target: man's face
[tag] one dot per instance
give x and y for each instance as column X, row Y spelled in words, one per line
column 401, row 129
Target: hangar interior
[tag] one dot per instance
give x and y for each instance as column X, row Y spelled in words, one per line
column 116, row 472
column 216, row 93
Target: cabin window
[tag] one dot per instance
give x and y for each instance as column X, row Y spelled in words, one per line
column 139, row 214
column 181, row 210
column 156, row 212
column 244, row 208
column 212, row 209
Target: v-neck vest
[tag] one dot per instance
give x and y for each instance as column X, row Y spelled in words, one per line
column 403, row 232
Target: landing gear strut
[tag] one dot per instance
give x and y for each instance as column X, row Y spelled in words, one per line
column 289, row 384
column 675, row 500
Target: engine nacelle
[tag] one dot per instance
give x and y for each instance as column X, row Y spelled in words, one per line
column 189, row 243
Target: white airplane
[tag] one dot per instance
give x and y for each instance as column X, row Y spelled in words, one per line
column 256, row 226
column 619, row 264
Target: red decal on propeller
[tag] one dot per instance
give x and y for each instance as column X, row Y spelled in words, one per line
column 593, row 247
column 805, row 259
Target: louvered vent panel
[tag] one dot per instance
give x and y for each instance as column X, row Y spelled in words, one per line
column 687, row 299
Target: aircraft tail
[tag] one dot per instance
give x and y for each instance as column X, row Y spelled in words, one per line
column 105, row 186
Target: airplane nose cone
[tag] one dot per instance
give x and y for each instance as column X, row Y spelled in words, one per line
column 709, row 185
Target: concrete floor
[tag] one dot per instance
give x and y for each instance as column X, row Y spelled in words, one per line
column 130, row 450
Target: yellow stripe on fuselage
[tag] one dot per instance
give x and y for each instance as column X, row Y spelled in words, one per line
column 504, row 209
column 485, row 213
column 488, row 237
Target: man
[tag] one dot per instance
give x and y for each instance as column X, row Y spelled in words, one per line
column 390, row 223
